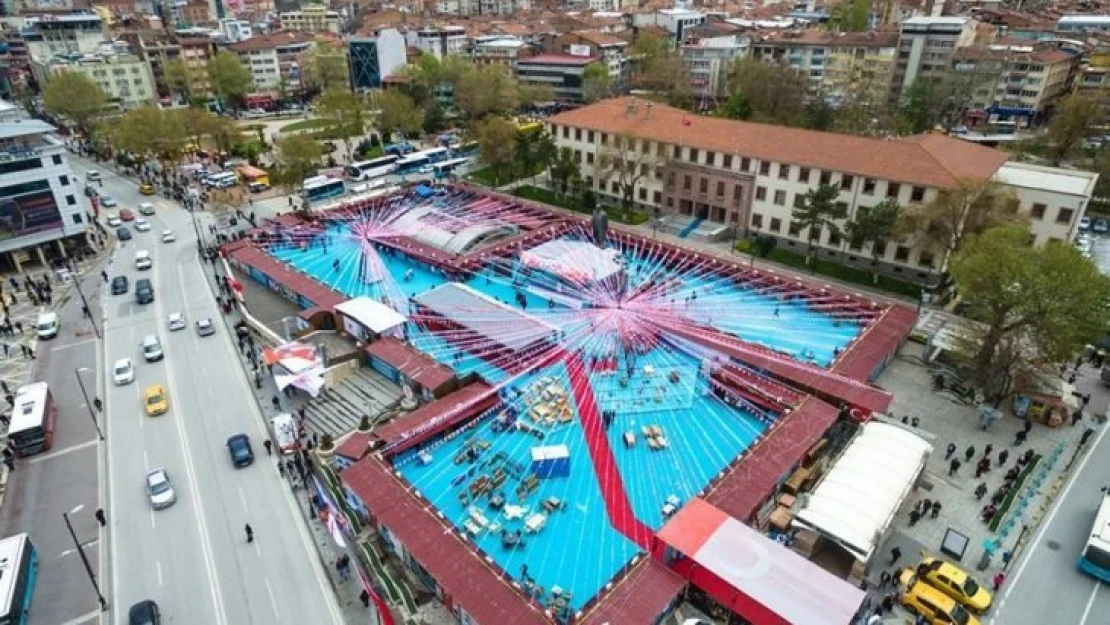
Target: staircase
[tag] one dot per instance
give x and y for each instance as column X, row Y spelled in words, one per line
column 341, row 406
column 690, row 227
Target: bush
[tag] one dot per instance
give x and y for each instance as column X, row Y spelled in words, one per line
column 835, row 270
column 536, row 194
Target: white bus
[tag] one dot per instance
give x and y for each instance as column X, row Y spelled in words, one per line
column 31, row 430
column 442, row 170
column 19, row 563
column 222, row 180
column 322, row 188
column 413, row 162
column 373, row 168
column 1095, row 559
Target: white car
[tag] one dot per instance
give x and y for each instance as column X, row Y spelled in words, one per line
column 123, row 372
column 92, row 175
column 114, row 221
column 168, row 236
column 107, row 201
column 142, row 225
column 159, row 489
column 205, row 327
column 146, row 208
column 177, row 322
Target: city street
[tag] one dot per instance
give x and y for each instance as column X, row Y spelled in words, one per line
column 193, row 558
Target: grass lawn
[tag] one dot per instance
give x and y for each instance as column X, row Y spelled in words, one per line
column 306, row 124
column 836, row 270
column 536, row 194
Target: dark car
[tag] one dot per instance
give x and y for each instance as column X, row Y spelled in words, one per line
column 123, row 234
column 144, row 292
column 144, row 613
column 239, row 446
column 119, row 285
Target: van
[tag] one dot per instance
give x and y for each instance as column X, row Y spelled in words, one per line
column 143, row 260
column 47, row 325
column 152, row 348
column 144, row 291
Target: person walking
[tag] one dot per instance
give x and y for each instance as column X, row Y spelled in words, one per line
column 250, row 533
column 953, row 467
column 268, row 444
column 980, row 490
column 104, row 274
column 1019, row 438
column 99, row 405
column 1003, row 456
column 364, row 597
column 895, row 555
column 276, row 402
column 936, row 510
column 1087, row 434
column 997, row 580
column 100, row 518
column 951, row 449
column 983, row 466
column 987, row 450
column 969, row 453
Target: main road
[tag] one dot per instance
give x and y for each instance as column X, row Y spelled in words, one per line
column 193, row 558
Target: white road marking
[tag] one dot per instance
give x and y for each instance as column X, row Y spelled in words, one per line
column 1090, row 603
column 243, row 498
column 273, row 600
column 61, row 452
column 85, row 544
column 94, row 615
column 158, row 569
column 146, row 461
column 58, row 348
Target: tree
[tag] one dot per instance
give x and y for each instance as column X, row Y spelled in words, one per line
column 485, row 91
column 324, row 68
column 298, row 157
column 434, row 118
column 344, row 111
column 736, row 107
column 1047, row 301
column 175, row 75
column 75, row 97
column 595, row 82
column 397, row 112
column 1073, row 121
column 149, row 132
column 658, row 68
column 546, row 150
column 775, row 93
column 496, row 140
column 820, row 210
column 874, row 226
column 627, row 161
column 197, row 124
column 562, row 169
column 528, row 95
column 230, row 80
column 524, row 153
column 226, row 134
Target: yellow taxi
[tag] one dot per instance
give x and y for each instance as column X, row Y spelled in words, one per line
column 926, row 600
column 155, row 400
column 956, row 583
column 146, row 188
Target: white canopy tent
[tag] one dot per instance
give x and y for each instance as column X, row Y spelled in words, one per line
column 580, row 262
column 856, row 501
column 370, row 314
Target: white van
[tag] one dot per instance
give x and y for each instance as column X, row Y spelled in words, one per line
column 143, row 260
column 47, row 325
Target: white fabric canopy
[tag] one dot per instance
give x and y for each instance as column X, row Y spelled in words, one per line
column 371, row 313
column 576, row 261
column 859, row 496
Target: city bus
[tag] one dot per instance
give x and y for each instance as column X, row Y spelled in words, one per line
column 253, row 177
column 31, row 430
column 322, row 188
column 400, row 148
column 19, row 564
column 413, row 162
column 222, row 180
column 1095, row 559
column 460, row 150
column 446, row 168
column 373, row 168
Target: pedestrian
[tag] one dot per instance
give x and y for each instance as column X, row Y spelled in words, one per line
column 1028, row 426
column 268, row 444
column 250, row 533
column 18, row 327
column 1086, row 436
column 951, row 449
column 953, row 467
column 915, row 516
column 884, row 579
column 339, row 568
column 99, row 405
column 100, row 518
column 103, row 274
column 888, row 603
column 281, row 468
column 969, row 453
column 895, row 555
column 982, row 467
column 276, row 402
column 300, row 413
column 364, row 597
column 936, row 510
column 996, row 581
column 1076, row 417
column 6, row 347
column 1019, row 438
column 988, row 449
column 980, row 490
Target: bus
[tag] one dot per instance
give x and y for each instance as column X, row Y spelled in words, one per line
column 253, row 177
column 444, row 169
column 413, row 162
column 459, row 150
column 19, row 564
column 400, row 148
column 31, row 430
column 373, row 168
column 322, row 188
column 222, row 180
column 1095, row 559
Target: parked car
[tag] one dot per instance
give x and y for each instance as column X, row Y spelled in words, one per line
column 239, row 446
column 956, row 583
column 152, row 348
column 168, row 236
column 937, row 607
column 176, row 321
column 92, row 175
column 123, row 234
column 144, row 613
column 1101, row 226
column 119, row 285
column 144, row 291
column 142, row 225
column 114, row 221
column 1084, row 224
column 107, row 201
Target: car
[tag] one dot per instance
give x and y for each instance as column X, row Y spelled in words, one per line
column 937, row 607
column 155, row 401
column 1084, row 224
column 152, row 348
column 48, row 325
column 144, row 613
column 142, row 225
column 177, row 322
column 1101, row 226
column 119, row 285
column 114, row 221
column 956, row 583
column 239, row 446
column 107, row 201
column 123, row 372
column 168, row 236
column 205, row 327
column 144, row 291
column 146, row 208
column 146, row 189
column 160, row 489
column 123, row 234
column 92, row 175
column 143, row 261
column 127, row 215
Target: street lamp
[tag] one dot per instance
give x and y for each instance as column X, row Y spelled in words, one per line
column 85, row 394
column 754, row 244
column 84, row 558
column 85, row 302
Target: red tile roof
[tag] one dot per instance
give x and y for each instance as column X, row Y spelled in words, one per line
column 557, row 59
column 355, row 446
column 468, row 401
column 477, row 587
column 751, row 480
column 321, row 296
column 929, row 160
column 416, row 365
column 877, row 342
column 639, row 597
column 272, row 40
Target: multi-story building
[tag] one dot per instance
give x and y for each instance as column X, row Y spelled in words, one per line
column 195, row 13
column 40, row 203
column 1082, row 24
column 474, row 8
column 235, row 30
column 1020, row 83
column 503, row 51
column 311, row 18
column 563, row 73
column 371, row 59
column 677, row 21
column 708, row 59
column 609, row 49
column 1054, row 199
column 157, row 48
column 75, row 33
column 839, row 65
column 123, row 77
column 275, row 60
column 439, row 41
column 926, row 47
column 738, row 178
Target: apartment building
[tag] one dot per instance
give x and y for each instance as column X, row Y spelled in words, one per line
column 1054, row 199
column 474, row 8
column 1018, row 84
column 708, row 60
column 49, row 35
column 731, row 178
column 235, row 30
column 926, row 48
column 839, row 65
column 42, row 211
column 158, row 48
column 371, row 59
column 123, row 77
column 503, row 51
column 1082, row 24
column 609, row 49
column 274, row 60
column 311, row 18
column 677, row 21
column 439, row 41
column 563, row 73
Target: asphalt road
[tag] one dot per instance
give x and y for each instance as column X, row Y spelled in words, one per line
column 193, row 558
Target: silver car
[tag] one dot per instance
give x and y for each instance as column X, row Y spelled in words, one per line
column 160, row 489
column 177, row 321
column 205, row 327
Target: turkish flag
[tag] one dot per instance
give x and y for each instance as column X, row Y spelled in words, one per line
column 685, row 121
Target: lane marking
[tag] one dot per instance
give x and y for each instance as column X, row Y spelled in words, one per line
column 1090, row 603
column 158, row 569
column 58, row 348
column 90, row 543
column 61, row 452
column 273, row 599
column 243, row 498
column 95, row 614
column 146, row 461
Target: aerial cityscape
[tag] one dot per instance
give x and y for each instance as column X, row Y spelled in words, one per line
column 555, row 312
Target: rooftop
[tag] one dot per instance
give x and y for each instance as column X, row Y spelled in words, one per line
column 1053, row 179
column 272, row 40
column 558, row 59
column 819, row 37
column 24, row 127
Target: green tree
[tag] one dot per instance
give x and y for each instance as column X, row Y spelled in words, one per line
column 344, row 112
column 1048, row 300
column 434, row 118
column 496, row 139
column 148, row 132
column 736, row 107
column 596, row 82
column 562, row 169
column 626, row 161
column 874, row 226
column 916, row 112
column 197, row 124
column 658, row 68
column 775, row 93
column 226, row 134
column 324, row 68
column 524, row 153
column 819, row 115
column 298, row 157
column 176, row 78
column 820, row 211
column 397, row 113
column 485, row 91
column 75, row 97
column 1073, row 121
column 230, row 80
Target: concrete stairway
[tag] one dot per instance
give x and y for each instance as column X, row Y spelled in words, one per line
column 341, row 406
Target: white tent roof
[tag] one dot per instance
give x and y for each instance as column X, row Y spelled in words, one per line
column 859, row 496
column 577, row 261
column 371, row 313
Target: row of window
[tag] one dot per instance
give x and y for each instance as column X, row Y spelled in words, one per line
column 794, row 229
column 1063, row 216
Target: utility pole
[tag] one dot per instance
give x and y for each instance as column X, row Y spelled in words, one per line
column 85, row 394
column 84, row 558
column 85, row 302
